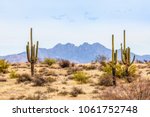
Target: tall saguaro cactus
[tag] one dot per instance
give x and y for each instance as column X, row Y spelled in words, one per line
column 32, row 52
column 114, row 62
column 125, row 56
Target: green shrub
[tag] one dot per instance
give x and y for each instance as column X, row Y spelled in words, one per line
column 49, row 61
column 107, row 68
column 81, row 77
column 3, row 65
column 132, row 70
column 13, row 74
column 120, row 70
column 105, row 80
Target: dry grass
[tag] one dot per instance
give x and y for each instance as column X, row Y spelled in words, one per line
column 54, row 82
column 76, row 91
column 136, row 91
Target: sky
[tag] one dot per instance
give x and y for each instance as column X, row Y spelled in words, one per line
column 74, row 21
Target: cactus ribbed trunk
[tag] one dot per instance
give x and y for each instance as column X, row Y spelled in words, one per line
column 113, row 62
column 32, row 69
column 114, row 74
column 32, row 53
column 126, row 59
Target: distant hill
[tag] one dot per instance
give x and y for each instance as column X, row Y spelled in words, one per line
column 82, row 54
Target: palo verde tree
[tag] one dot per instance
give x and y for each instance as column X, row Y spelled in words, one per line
column 32, row 53
column 126, row 58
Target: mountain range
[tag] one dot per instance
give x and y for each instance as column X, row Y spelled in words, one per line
column 81, row 54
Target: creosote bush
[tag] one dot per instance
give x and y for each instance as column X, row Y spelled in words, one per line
column 38, row 95
column 135, row 91
column 24, row 78
column 51, row 79
column 64, row 63
column 73, row 70
column 13, row 74
column 39, row 80
column 76, row 91
column 81, row 77
column 49, row 61
column 105, row 80
column 3, row 66
column 100, row 59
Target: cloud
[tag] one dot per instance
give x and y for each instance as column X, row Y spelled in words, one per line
column 91, row 17
column 59, row 17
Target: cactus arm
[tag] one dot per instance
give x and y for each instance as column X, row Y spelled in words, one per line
column 112, row 48
column 113, row 62
column 128, row 55
column 124, row 37
column 116, row 54
column 133, row 60
column 32, row 52
column 37, row 50
column 28, row 52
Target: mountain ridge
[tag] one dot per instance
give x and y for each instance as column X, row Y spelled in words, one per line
column 83, row 53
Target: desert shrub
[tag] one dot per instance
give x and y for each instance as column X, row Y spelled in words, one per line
column 120, row 70
column 139, row 61
column 81, row 77
column 51, row 79
column 50, row 90
column 132, row 70
column 135, row 91
column 107, row 68
column 38, row 95
column 72, row 70
column 64, row 63
column 49, row 61
column 105, row 80
column 100, row 58
column 63, row 93
column 3, row 65
column 13, row 74
column 24, row 78
column 50, row 73
column 148, row 64
column 39, row 80
column 76, row 91
column 89, row 67
column 43, row 70
column 95, row 91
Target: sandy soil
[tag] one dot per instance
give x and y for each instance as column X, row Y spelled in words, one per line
column 61, row 88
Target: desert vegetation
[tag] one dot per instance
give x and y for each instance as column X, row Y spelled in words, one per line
column 53, row 79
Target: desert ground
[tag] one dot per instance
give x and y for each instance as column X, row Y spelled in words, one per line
column 54, row 82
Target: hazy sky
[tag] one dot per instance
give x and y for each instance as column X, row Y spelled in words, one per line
column 74, row 21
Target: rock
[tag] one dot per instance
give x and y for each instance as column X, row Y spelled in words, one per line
column 3, row 79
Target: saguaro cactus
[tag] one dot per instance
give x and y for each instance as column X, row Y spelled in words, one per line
column 114, row 62
column 125, row 56
column 32, row 53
